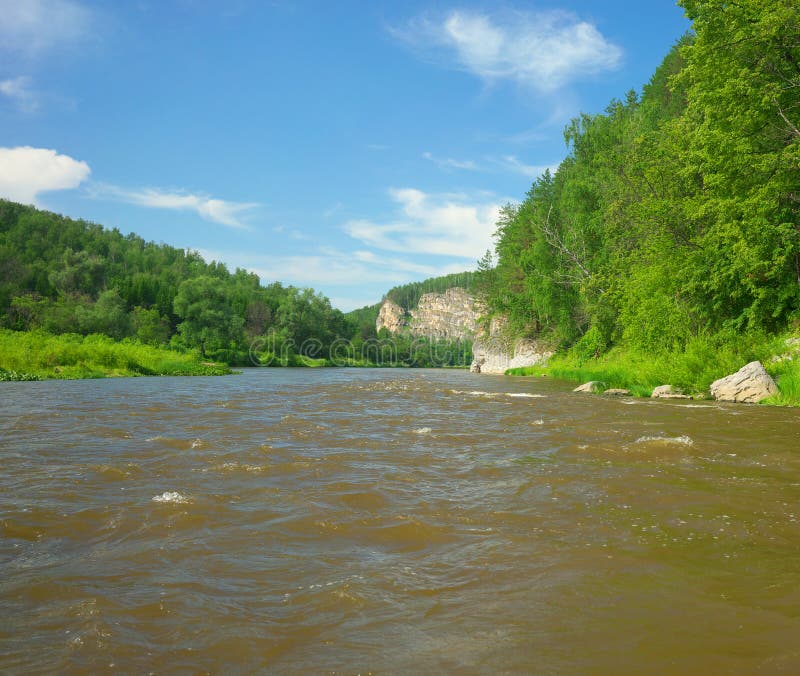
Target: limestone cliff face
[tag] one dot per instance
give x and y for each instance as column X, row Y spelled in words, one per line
column 495, row 352
column 452, row 315
column 391, row 317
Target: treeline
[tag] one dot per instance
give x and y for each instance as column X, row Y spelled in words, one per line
column 676, row 214
column 407, row 295
column 65, row 276
column 68, row 276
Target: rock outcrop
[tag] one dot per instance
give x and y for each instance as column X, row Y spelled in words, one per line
column 749, row 385
column 391, row 317
column 495, row 353
column 452, row 315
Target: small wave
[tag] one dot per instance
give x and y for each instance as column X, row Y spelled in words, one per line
column 423, row 430
column 171, row 496
column 235, row 467
column 682, row 440
column 180, row 444
column 492, row 395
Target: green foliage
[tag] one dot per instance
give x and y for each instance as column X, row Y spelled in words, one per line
column 704, row 360
column 15, row 377
column 672, row 229
column 43, row 355
column 65, row 276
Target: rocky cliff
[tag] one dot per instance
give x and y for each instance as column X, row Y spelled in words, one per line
column 391, row 317
column 496, row 352
column 452, row 315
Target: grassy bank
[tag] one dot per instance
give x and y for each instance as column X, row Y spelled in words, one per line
column 37, row 355
column 692, row 370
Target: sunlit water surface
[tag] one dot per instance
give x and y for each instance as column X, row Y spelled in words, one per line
column 392, row 521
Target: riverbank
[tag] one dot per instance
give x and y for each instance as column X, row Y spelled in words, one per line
column 36, row 355
column 692, row 370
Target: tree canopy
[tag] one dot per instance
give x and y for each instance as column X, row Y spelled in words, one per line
column 676, row 211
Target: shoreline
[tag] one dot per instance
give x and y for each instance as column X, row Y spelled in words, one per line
column 689, row 372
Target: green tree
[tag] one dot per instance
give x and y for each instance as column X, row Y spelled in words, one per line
column 207, row 322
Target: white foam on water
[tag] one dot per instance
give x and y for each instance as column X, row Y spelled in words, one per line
column 171, row 496
column 423, row 430
column 235, row 467
column 682, row 440
column 492, row 395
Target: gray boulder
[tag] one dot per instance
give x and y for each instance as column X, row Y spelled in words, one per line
column 749, row 385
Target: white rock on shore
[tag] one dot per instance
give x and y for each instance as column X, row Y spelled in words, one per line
column 668, row 392
column 592, row 386
column 749, row 385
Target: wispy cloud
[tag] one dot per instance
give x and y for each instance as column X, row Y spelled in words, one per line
column 30, row 28
column 544, row 49
column 513, row 164
column 453, row 225
column 209, row 208
column 450, row 163
column 20, row 92
column 330, row 211
column 27, row 172
column 331, row 267
column 504, row 163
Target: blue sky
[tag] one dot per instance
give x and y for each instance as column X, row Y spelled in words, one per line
column 346, row 146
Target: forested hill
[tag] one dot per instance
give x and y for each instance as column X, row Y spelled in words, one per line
column 676, row 215
column 407, row 295
column 63, row 275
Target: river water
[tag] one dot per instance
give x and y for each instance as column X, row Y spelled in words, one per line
column 392, row 521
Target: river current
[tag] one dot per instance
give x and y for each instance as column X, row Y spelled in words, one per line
column 393, row 521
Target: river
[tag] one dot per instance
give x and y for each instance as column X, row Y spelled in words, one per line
column 393, row 521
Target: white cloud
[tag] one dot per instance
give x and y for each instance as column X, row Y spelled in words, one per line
column 440, row 224
column 333, row 268
column 211, row 209
column 32, row 27
column 545, row 49
column 450, row 163
column 19, row 91
column 532, row 171
column 25, row 172
column 506, row 163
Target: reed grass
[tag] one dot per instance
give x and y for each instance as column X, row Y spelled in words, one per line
column 41, row 355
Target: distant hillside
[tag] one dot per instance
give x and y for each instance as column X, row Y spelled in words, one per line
column 70, row 276
column 407, row 295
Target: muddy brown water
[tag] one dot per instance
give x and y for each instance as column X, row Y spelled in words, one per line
column 393, row 521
